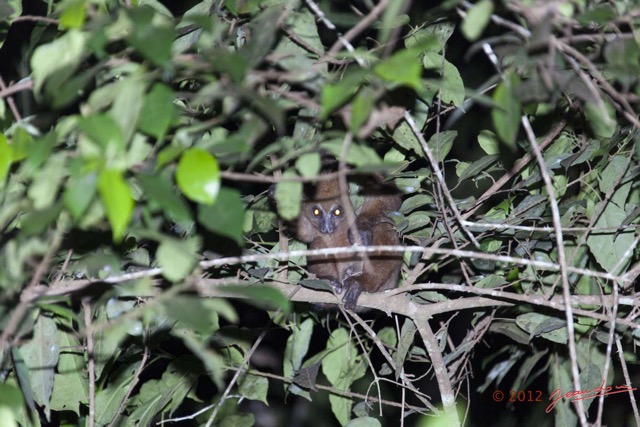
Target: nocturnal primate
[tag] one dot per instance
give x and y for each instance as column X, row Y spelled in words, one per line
column 324, row 223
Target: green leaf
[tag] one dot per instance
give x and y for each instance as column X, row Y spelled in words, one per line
column 58, row 60
column 342, row 366
column 506, row 112
column 288, row 195
column 117, row 200
column 22, row 374
column 192, row 313
column 44, row 189
column 334, row 96
column 41, row 357
column 601, row 118
column 451, row 87
column 161, row 191
column 361, row 108
column 478, row 166
column 127, row 104
column 73, row 14
column 80, row 190
column 392, row 18
column 401, row 69
column 254, row 387
column 103, row 129
column 359, row 155
column 151, row 35
column 177, row 258
column 441, row 144
column 608, row 251
column 297, row 347
column 477, row 18
column 261, row 295
column 6, row 156
column 226, row 216
column 309, row 164
column 70, row 386
column 198, row 176
column 109, row 399
column 488, row 142
column 158, row 111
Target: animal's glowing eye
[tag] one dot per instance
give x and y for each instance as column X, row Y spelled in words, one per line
column 315, row 212
column 337, row 212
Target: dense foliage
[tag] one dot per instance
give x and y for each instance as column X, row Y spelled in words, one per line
column 148, row 278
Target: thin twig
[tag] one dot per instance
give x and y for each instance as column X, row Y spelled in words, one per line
column 323, row 18
column 362, row 25
column 439, row 177
column 10, row 101
column 86, row 307
column 562, row 260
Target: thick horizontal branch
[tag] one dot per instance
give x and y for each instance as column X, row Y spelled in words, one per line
column 66, row 287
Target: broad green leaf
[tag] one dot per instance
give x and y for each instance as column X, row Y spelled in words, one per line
column 161, row 191
column 298, row 60
column 404, row 137
column 22, row 374
column 158, row 111
column 191, row 312
column 41, row 357
column 177, row 258
column 441, row 144
column 477, row 18
column 127, row 105
column 44, row 189
column 335, row 95
column 263, row 30
column 70, row 386
column 364, row 422
column 198, row 176
column 226, row 216
column 117, row 200
column 297, row 347
column 359, row 155
column 392, row 18
column 342, row 365
column 623, row 57
column 401, row 69
column 506, row 112
column 607, row 250
column 254, row 387
column 601, row 118
column 261, row 295
column 6, row 156
column 57, row 61
column 213, row 362
column 361, row 108
column 73, row 14
column 103, row 129
column 288, row 195
column 405, row 342
column 488, row 142
column 451, row 87
column 478, row 166
column 240, row 7
column 536, row 324
column 309, row 164
column 151, row 36
column 109, row 399
column 414, row 202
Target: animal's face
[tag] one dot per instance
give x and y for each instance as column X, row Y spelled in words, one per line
column 327, row 219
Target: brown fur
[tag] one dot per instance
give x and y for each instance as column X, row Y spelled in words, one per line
column 321, row 228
